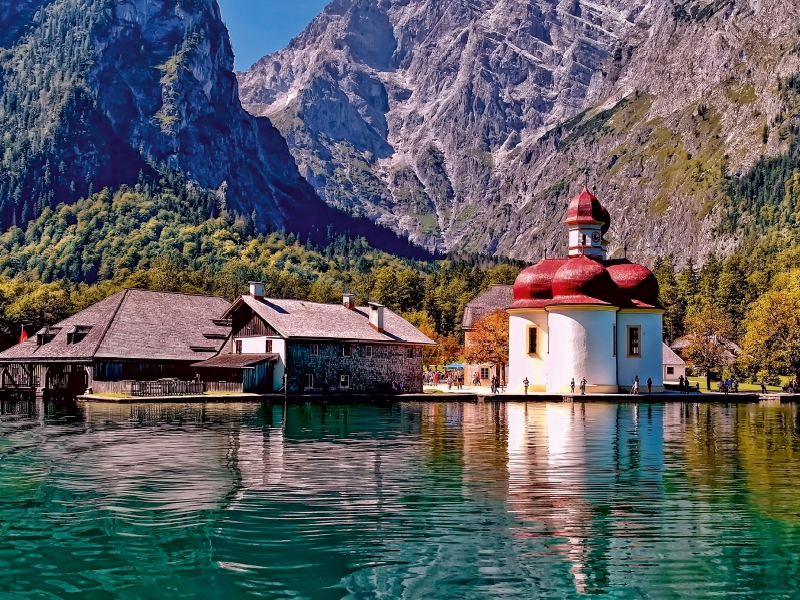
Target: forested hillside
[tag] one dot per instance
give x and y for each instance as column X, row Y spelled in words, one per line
column 161, row 238
column 100, row 93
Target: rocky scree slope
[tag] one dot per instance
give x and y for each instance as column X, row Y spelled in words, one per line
column 96, row 93
column 469, row 124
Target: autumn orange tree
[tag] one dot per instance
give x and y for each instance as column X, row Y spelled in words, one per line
column 488, row 341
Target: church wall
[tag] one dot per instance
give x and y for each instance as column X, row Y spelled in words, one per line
column 521, row 364
column 582, row 345
column 650, row 363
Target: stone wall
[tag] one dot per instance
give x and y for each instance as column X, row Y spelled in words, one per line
column 388, row 363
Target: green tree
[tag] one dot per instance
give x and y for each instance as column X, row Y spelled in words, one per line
column 772, row 339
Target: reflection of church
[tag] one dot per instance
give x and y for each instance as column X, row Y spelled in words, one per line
column 585, row 315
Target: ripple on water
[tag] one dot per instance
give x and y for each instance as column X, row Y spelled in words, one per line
column 410, row 500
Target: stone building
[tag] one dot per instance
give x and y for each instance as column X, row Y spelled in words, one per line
column 314, row 347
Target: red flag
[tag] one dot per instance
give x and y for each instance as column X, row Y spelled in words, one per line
column 24, row 335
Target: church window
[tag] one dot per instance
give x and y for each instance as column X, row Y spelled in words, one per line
column 308, row 381
column 533, row 340
column 347, row 351
column 670, row 370
column 634, row 341
column 314, row 349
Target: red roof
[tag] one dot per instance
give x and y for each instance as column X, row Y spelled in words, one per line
column 585, row 208
column 582, row 280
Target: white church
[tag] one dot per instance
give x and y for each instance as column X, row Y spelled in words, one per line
column 585, row 316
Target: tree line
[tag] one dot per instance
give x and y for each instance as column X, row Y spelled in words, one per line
column 157, row 238
column 751, row 298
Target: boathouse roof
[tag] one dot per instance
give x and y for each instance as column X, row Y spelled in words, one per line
column 132, row 325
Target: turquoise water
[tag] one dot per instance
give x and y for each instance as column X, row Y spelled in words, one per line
column 399, row 501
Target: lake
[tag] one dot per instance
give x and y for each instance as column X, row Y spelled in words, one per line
column 406, row 500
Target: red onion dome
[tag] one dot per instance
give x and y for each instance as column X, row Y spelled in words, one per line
column 584, row 281
column 585, row 208
column 638, row 282
column 536, row 282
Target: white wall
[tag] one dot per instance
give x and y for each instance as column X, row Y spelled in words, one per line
column 521, row 365
column 258, row 345
column 650, row 363
column 582, row 345
column 674, row 377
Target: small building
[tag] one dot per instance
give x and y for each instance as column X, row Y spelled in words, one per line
column 730, row 350
column 585, row 316
column 498, row 297
column 132, row 337
column 674, row 366
column 313, row 347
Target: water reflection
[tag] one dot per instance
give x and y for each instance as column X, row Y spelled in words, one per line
column 405, row 500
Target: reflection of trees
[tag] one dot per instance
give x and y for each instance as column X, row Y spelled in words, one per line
column 769, row 454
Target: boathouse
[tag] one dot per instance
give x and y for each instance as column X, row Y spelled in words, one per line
column 313, row 347
column 136, row 341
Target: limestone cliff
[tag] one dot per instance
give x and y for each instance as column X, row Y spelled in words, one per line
column 469, row 124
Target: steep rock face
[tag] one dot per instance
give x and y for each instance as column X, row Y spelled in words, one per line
column 470, row 123
column 93, row 92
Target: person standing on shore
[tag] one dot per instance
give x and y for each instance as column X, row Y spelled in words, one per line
column 649, row 386
column 635, row 388
column 572, row 386
column 526, row 383
column 583, row 386
column 763, row 387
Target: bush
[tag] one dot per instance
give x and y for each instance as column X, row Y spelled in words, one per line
column 772, row 380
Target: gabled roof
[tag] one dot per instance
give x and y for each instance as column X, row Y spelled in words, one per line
column 670, row 358
column 730, row 349
column 303, row 319
column 135, row 324
column 497, row 297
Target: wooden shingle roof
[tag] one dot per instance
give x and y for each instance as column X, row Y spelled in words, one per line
column 497, row 297
column 670, row 358
column 303, row 319
column 135, row 325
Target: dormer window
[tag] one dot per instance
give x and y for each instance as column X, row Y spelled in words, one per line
column 46, row 334
column 76, row 333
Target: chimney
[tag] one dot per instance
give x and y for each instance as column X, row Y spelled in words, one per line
column 257, row 290
column 376, row 316
column 349, row 301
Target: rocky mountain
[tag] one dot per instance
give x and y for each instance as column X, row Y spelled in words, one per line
column 97, row 93
column 469, row 124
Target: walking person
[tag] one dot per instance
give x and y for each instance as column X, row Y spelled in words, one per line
column 649, row 386
column 572, row 386
column 680, row 384
column 635, row 388
column 763, row 387
column 583, row 386
column 526, row 383
column 503, row 386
